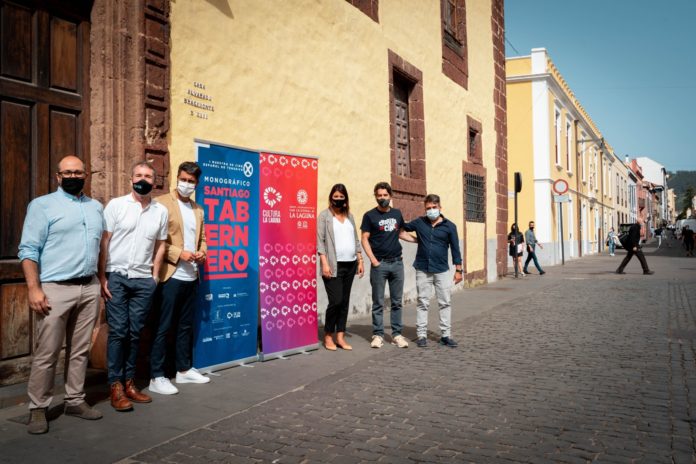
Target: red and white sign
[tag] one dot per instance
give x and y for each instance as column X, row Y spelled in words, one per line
column 560, row 186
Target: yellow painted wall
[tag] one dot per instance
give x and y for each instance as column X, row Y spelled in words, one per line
column 312, row 78
column 520, row 150
column 520, row 66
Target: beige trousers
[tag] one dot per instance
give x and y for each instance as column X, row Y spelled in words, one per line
column 74, row 310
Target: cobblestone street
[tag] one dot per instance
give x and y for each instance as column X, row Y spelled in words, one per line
column 592, row 367
column 580, row 365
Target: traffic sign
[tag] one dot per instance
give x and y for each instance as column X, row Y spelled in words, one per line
column 561, row 198
column 560, row 186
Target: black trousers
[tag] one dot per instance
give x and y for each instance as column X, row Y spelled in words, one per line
column 629, row 255
column 338, row 291
column 177, row 303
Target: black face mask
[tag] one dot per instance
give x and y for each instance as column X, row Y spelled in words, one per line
column 338, row 203
column 383, row 202
column 142, row 187
column 72, row 185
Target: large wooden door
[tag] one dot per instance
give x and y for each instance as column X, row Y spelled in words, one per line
column 44, row 115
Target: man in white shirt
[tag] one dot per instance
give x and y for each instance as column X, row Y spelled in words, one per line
column 132, row 247
column 185, row 251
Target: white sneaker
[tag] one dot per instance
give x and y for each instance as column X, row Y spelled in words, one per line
column 163, row 386
column 191, row 376
column 377, row 341
column 400, row 341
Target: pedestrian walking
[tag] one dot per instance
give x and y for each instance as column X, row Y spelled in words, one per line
column 436, row 235
column 381, row 228
column 532, row 243
column 516, row 244
column 341, row 259
column 632, row 246
column 611, row 241
column 658, row 234
column 688, row 240
column 59, row 251
column 185, row 249
column 132, row 250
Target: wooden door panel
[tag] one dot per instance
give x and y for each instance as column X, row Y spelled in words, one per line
column 17, row 37
column 15, row 321
column 44, row 115
column 63, row 139
column 64, row 54
column 15, row 165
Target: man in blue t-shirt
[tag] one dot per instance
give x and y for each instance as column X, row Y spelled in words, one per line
column 380, row 228
column 436, row 235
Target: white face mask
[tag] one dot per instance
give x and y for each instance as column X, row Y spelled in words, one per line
column 185, row 189
column 433, row 214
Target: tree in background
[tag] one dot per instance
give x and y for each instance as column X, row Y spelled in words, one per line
column 687, row 200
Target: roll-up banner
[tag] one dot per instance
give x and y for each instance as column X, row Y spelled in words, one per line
column 287, row 254
column 226, row 319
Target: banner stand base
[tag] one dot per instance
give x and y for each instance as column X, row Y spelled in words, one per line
column 227, row 365
column 284, row 354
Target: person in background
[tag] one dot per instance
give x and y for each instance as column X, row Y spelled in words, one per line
column 184, row 250
column 688, row 239
column 532, row 243
column 632, row 245
column 436, row 235
column 611, row 241
column 658, row 234
column 341, row 259
column 132, row 250
column 59, row 251
column 515, row 241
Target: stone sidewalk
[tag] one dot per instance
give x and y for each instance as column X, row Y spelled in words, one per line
column 579, row 365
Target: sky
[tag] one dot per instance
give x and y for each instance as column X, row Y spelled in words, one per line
column 630, row 63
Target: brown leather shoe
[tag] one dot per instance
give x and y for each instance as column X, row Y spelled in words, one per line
column 118, row 399
column 134, row 394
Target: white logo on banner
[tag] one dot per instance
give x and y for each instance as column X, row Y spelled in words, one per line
column 248, row 169
column 271, row 196
column 302, row 196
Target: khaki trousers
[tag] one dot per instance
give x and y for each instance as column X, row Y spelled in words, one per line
column 74, row 310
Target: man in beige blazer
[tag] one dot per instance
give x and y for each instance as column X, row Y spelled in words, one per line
column 185, row 252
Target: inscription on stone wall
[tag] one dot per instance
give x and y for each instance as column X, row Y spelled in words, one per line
column 200, row 100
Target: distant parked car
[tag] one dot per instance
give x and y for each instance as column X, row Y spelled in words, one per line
column 684, row 222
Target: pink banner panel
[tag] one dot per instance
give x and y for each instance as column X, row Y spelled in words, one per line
column 287, row 253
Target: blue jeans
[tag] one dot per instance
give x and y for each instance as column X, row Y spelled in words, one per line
column 531, row 255
column 392, row 272
column 612, row 246
column 177, row 301
column 125, row 313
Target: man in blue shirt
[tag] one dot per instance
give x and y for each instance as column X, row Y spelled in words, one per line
column 59, row 252
column 532, row 243
column 435, row 236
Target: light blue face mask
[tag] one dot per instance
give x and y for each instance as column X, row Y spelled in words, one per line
column 433, row 214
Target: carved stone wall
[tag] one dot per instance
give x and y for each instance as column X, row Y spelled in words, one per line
column 129, row 92
column 500, row 101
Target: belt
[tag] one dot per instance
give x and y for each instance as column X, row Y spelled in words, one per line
column 76, row 280
column 390, row 260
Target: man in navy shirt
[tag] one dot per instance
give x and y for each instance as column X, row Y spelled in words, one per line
column 435, row 236
column 380, row 228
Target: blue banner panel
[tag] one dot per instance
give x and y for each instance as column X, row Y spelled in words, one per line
column 225, row 328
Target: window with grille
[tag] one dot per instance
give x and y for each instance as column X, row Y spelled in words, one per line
column 475, row 197
column 454, row 47
column 401, row 127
